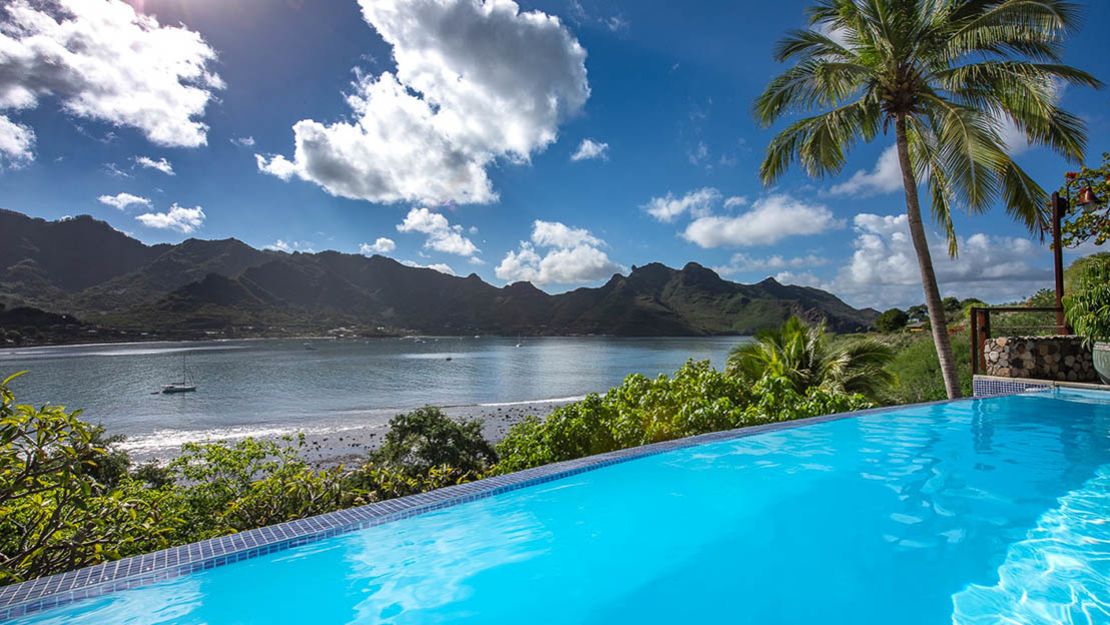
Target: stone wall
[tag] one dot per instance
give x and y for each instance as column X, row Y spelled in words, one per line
column 1039, row 357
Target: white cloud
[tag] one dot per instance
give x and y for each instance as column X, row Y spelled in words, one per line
column 769, row 220
column 802, row 278
column 555, row 234
column 557, row 254
column 442, row 236
column 669, row 208
column 161, row 164
column 736, row 201
column 17, row 142
column 883, row 270
column 289, row 247
column 107, row 63
column 440, row 267
column 886, row 177
column 184, row 220
column 121, row 201
column 475, row 81
column 1014, row 139
column 381, row 246
column 744, row 263
column 243, row 142
column 590, row 149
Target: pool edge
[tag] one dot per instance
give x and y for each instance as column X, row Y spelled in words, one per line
column 45, row 593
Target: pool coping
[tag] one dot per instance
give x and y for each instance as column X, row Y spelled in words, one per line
column 44, row 593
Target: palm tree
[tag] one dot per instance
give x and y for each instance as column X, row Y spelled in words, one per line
column 804, row 355
column 947, row 74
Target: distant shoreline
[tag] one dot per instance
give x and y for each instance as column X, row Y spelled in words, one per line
column 156, row 340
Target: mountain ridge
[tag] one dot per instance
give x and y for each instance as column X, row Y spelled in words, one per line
column 85, row 268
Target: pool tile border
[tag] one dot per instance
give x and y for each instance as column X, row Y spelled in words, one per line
column 994, row 386
column 50, row 592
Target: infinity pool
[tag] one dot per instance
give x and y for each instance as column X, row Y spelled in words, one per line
column 974, row 512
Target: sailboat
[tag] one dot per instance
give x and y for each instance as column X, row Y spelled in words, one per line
column 186, row 384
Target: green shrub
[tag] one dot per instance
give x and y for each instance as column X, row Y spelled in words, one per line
column 892, row 320
column 426, row 438
column 696, row 400
column 55, row 514
column 1087, row 306
column 916, row 370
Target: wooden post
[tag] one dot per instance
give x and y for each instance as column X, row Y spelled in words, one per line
column 1059, row 206
column 972, row 343
column 981, row 331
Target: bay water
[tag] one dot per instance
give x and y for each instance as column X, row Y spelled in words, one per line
column 272, row 387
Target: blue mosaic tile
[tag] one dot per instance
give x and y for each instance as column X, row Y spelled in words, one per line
column 989, row 386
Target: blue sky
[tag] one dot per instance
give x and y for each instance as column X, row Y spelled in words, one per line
column 476, row 174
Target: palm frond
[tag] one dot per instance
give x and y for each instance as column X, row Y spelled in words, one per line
column 819, row 143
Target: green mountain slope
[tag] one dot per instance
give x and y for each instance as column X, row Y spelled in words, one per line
column 86, row 268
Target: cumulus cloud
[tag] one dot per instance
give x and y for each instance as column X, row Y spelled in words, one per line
column 442, row 236
column 557, row 254
column 161, row 164
column 243, row 142
column 381, row 246
column 769, row 220
column 886, row 177
column 17, row 143
column 883, row 269
column 121, row 201
column 184, row 220
column 105, row 62
column 590, row 149
column 744, row 263
column 440, row 267
column 697, row 203
column 475, row 81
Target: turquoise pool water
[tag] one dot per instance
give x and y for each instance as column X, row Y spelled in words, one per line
column 974, row 512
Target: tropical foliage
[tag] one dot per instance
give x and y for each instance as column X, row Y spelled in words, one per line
column 1087, row 306
column 69, row 499
column 54, row 512
column 892, row 320
column 915, row 368
column 806, row 357
column 1085, row 223
column 946, row 75
column 695, row 400
column 425, row 438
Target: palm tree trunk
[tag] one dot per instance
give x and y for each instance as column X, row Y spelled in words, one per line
column 933, row 302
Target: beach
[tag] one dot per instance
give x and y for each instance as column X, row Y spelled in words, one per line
column 350, row 444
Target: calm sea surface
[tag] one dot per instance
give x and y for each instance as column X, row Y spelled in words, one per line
column 278, row 386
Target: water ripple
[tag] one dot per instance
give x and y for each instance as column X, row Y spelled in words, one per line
column 1059, row 574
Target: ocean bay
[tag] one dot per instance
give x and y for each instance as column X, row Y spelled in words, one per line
column 322, row 387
